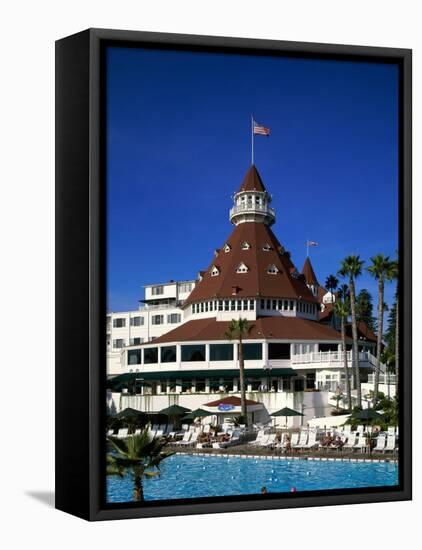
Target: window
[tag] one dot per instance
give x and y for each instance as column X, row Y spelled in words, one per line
column 239, row 305
column 206, row 306
column 226, row 305
column 251, row 304
column 136, row 341
column 157, row 319
column 272, row 270
column 299, row 384
column 221, row 352
column 193, row 308
column 193, row 353
column 274, row 304
column 268, row 304
column 155, row 290
column 134, row 357
column 136, row 321
column 168, row 354
column 280, row 304
column 252, row 352
column 266, row 247
column 118, row 343
column 174, row 318
column 215, row 271
column 242, row 268
column 202, row 307
column 150, row 355
column 220, row 305
column 278, row 351
column 185, row 287
column 262, row 304
column 328, row 347
column 119, row 322
column 245, row 246
column 232, row 305
column 245, row 305
column 227, row 248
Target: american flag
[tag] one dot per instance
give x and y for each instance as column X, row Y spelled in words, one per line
column 312, row 243
column 259, row 129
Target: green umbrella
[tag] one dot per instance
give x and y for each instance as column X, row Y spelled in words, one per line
column 368, row 414
column 198, row 413
column 129, row 413
column 129, row 380
column 174, row 410
column 287, row 412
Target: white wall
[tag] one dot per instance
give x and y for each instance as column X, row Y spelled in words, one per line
column 26, row 226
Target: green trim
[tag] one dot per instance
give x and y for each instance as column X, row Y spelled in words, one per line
column 220, row 373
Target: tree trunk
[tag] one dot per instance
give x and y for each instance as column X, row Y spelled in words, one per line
column 242, row 382
column 379, row 337
column 138, row 490
column 355, row 341
column 397, row 344
column 346, row 366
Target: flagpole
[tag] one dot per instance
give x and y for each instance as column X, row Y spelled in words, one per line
column 252, row 144
column 307, row 248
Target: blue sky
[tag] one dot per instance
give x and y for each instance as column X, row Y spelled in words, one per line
column 178, row 146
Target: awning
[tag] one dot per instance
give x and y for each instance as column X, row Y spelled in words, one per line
column 206, row 373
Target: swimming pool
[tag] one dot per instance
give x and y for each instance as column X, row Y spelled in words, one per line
column 189, row 476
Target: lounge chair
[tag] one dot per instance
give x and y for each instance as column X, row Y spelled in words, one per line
column 362, row 443
column 159, row 433
column 350, row 443
column 391, row 430
column 259, row 436
column 303, row 437
column 191, row 441
column 186, row 438
column 110, row 432
column 312, row 442
column 270, row 441
column 168, row 429
column 391, row 444
column 380, row 446
column 152, row 433
column 294, row 440
column 123, row 432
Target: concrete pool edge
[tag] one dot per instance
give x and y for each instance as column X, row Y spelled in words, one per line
column 361, row 460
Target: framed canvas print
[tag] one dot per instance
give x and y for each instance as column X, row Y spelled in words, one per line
column 233, row 274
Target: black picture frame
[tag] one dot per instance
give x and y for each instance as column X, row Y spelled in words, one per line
column 80, row 272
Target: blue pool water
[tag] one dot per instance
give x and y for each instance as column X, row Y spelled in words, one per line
column 187, row 476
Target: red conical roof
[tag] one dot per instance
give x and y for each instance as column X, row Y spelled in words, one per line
column 262, row 252
column 252, row 181
column 308, row 272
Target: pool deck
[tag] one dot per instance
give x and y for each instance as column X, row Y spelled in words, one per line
column 246, row 451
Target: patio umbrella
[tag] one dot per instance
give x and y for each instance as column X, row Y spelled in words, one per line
column 174, row 410
column 368, row 415
column 198, row 413
column 130, row 416
column 129, row 380
column 286, row 411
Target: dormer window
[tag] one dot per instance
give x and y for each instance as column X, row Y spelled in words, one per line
column 266, row 247
column 272, row 270
column 227, row 248
column 215, row 271
column 245, row 246
column 242, row 268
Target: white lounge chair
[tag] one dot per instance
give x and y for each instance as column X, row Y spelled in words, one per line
column 168, row 429
column 270, row 441
column 362, row 443
column 312, row 442
column 350, row 443
column 191, row 441
column 391, row 430
column 110, row 432
column 259, row 436
column 380, row 446
column 159, row 433
column 391, row 444
column 294, row 440
column 152, row 433
column 185, row 439
column 302, row 440
column 123, row 432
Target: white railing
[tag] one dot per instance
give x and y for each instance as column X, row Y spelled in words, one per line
column 383, row 379
column 157, row 306
column 251, row 208
column 327, row 357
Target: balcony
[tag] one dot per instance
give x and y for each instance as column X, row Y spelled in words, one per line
column 252, row 209
column 326, row 359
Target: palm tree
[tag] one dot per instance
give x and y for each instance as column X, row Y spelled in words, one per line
column 380, row 269
column 342, row 310
column 343, row 292
column 393, row 274
column 138, row 454
column 238, row 329
column 351, row 267
column 331, row 282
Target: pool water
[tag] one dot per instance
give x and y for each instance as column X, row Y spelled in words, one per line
column 190, row 476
